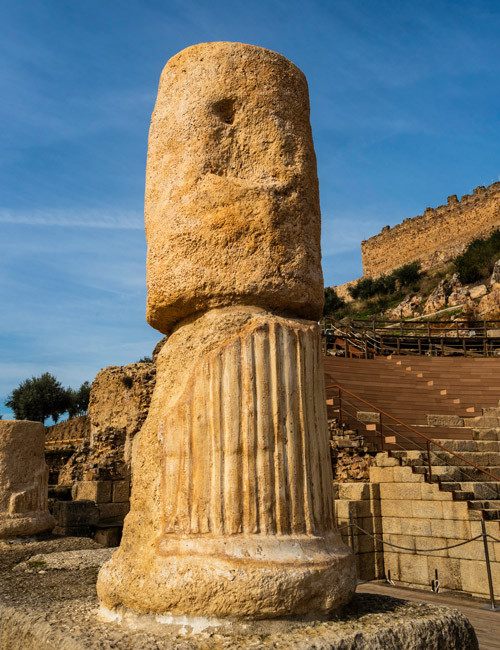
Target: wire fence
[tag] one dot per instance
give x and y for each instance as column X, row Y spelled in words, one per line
column 435, row 586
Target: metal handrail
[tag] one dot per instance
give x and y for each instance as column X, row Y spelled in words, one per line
column 429, row 440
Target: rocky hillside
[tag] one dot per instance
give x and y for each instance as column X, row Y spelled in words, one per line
column 466, row 288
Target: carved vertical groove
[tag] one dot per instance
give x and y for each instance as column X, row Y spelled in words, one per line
column 246, row 445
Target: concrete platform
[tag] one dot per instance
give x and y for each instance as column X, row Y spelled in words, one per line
column 42, row 608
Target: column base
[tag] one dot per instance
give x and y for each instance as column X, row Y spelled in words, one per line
column 239, row 578
column 20, row 525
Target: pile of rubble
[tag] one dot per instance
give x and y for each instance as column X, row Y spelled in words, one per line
column 351, row 455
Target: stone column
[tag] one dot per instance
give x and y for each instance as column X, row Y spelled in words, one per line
column 232, row 499
column 23, row 479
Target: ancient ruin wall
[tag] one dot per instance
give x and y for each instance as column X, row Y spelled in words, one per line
column 436, row 236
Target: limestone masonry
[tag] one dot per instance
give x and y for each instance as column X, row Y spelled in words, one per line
column 232, row 492
column 435, row 237
column 23, row 479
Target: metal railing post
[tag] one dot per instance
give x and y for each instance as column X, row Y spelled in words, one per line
column 340, row 407
column 429, row 460
column 351, row 531
column 491, row 606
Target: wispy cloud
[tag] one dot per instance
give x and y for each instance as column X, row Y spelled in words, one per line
column 73, row 219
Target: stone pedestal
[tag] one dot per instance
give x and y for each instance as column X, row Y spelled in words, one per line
column 23, row 479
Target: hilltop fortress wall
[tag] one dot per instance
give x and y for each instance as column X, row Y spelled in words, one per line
column 436, row 236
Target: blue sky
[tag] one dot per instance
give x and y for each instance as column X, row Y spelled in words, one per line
column 405, row 107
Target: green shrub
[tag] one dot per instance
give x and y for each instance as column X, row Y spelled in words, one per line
column 368, row 287
column 478, row 259
column 408, row 274
column 333, row 302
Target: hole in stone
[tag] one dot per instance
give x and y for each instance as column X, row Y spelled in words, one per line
column 224, row 109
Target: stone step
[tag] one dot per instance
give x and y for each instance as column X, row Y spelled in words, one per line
column 491, row 515
column 470, row 445
column 441, row 457
column 480, row 489
column 458, row 474
column 485, row 505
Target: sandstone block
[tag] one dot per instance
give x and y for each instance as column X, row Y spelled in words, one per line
column 406, row 491
column 393, row 525
column 74, row 514
column 455, row 510
column 370, row 417
column 381, row 474
column 23, row 479
column 452, row 529
column 473, row 576
column 445, row 421
column 428, row 509
column 121, row 491
column 413, row 569
column 231, row 167
column 108, row 537
column 98, row 491
column 448, row 571
column 113, row 510
column 353, row 491
column 417, row 527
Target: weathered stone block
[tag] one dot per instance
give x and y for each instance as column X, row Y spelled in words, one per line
column 393, row 525
column 445, row 421
column 108, row 537
column 23, row 479
column 113, row 510
column 427, row 509
column 448, row 571
column 406, row 475
column 413, row 569
column 353, row 491
column 452, row 529
column 75, row 513
column 121, row 491
column 417, row 527
column 381, row 474
column 455, row 510
column 98, row 491
column 406, row 491
column 228, row 172
column 370, row 417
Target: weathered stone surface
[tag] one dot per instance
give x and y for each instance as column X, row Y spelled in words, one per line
column 489, row 305
column 56, row 610
column 66, row 560
column 495, row 276
column 119, row 403
column 231, row 177
column 232, row 499
column 436, row 236
column 71, row 429
column 477, row 292
column 23, row 479
column 437, row 299
column 221, row 524
column 119, row 399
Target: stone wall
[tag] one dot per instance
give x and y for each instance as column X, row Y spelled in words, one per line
column 436, row 236
column 72, row 429
column 399, row 507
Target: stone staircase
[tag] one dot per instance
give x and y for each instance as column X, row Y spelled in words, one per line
column 466, row 483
